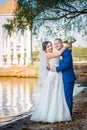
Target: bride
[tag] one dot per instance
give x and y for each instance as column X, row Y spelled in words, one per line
column 52, row 106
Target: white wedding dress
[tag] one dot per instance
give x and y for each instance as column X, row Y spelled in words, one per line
column 52, row 106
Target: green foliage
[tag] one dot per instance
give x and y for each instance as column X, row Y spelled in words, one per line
column 66, row 15
column 29, row 11
column 18, row 55
column 36, row 55
column 79, row 53
column 9, row 26
column 5, row 59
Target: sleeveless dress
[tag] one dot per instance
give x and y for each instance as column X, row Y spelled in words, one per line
column 52, row 106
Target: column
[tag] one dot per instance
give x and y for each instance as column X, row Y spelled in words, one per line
column 28, row 47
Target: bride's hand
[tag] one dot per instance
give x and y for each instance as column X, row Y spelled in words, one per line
column 53, row 69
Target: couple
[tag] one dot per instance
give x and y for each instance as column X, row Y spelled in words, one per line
column 56, row 101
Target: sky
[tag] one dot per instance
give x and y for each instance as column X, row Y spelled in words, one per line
column 3, row 1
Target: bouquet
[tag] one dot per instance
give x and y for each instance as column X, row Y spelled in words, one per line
column 69, row 39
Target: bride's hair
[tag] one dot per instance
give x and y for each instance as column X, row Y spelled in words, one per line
column 43, row 71
column 44, row 45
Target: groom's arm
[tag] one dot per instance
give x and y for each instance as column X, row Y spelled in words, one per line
column 66, row 62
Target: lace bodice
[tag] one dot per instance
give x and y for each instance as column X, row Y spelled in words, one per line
column 54, row 61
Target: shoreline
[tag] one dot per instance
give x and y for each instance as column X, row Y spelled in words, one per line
column 31, row 71
column 79, row 121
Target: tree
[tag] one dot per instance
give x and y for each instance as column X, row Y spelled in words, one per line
column 29, row 11
column 33, row 13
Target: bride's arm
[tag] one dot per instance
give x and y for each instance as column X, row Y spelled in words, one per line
column 53, row 55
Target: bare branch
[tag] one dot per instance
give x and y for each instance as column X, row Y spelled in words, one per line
column 66, row 25
column 53, row 18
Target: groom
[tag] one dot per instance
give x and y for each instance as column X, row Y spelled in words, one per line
column 66, row 66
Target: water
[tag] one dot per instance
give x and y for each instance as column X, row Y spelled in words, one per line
column 17, row 95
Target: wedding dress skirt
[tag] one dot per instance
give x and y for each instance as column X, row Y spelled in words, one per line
column 52, row 106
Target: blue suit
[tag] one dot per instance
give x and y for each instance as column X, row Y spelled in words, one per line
column 66, row 66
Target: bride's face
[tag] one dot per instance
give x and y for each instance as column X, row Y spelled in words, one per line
column 49, row 48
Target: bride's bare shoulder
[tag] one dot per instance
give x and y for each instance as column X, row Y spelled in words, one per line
column 48, row 55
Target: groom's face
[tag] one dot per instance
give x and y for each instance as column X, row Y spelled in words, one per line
column 58, row 44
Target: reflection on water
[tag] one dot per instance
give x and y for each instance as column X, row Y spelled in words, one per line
column 17, row 96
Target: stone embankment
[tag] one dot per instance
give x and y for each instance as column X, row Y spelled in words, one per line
column 81, row 72
column 31, row 71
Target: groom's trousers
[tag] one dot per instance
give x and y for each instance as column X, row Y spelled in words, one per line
column 68, row 89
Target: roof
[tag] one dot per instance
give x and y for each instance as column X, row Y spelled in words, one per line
column 8, row 7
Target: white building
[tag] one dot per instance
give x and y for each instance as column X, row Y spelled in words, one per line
column 17, row 48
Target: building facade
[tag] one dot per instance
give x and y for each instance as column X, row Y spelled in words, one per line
column 14, row 49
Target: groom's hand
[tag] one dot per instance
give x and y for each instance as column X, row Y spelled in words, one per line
column 53, row 69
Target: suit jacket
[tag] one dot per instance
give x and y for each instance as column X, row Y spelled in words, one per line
column 66, row 66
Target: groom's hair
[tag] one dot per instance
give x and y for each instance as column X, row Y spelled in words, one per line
column 58, row 39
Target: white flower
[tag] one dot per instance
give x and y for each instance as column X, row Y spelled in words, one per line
column 61, row 58
column 69, row 39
